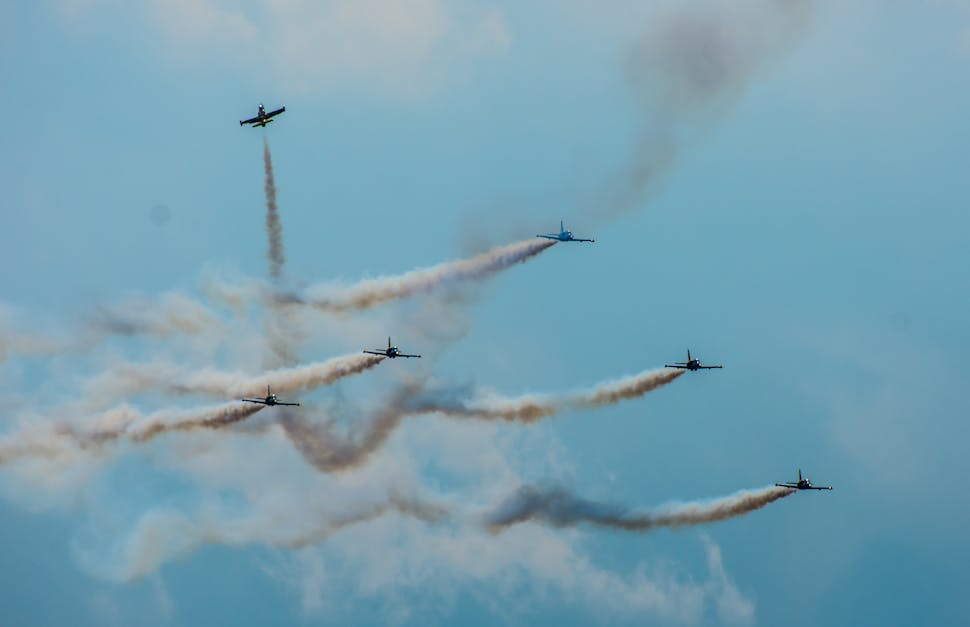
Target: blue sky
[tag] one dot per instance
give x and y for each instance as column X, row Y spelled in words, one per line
column 810, row 234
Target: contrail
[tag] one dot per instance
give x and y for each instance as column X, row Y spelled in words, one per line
column 560, row 508
column 371, row 292
column 173, row 313
column 530, row 408
column 274, row 229
column 692, row 64
column 133, row 378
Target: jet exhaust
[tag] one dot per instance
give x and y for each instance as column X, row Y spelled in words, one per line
column 560, row 508
column 534, row 407
column 171, row 379
column 371, row 292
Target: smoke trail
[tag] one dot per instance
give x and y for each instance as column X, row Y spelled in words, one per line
column 173, row 313
column 691, row 65
column 326, row 451
column 59, row 441
column 274, row 229
column 171, row 379
column 560, row 508
column 371, row 292
column 209, row 418
column 162, row 535
column 530, row 408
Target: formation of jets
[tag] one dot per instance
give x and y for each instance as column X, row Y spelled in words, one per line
column 803, row 484
column 269, row 400
column 692, row 364
column 262, row 117
column 391, row 352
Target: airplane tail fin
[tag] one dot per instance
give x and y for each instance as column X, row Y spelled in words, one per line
column 562, row 226
column 799, row 474
column 388, row 341
column 688, row 354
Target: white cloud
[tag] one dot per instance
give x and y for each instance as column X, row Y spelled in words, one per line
column 398, row 46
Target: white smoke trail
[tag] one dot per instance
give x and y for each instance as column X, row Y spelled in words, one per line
column 62, row 440
column 561, row 508
column 371, row 292
column 172, row 379
column 533, row 407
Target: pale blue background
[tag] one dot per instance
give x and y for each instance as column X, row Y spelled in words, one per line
column 814, row 239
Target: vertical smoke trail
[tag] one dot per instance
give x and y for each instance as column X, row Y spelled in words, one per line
column 274, row 228
column 281, row 324
column 530, row 408
column 560, row 508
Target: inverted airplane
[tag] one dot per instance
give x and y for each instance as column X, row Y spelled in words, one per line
column 563, row 235
column 270, row 400
column 803, row 484
column 391, row 352
column 691, row 364
column 262, row 117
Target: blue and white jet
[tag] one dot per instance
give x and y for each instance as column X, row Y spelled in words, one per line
column 564, row 235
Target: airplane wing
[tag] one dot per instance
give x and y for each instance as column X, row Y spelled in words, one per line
column 376, row 353
column 820, row 487
column 710, row 367
column 288, row 404
column 577, row 239
column 277, row 112
column 787, row 485
column 548, row 236
column 409, row 355
column 249, row 121
column 681, row 366
column 253, row 400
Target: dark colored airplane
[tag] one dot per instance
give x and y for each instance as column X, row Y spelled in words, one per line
column 262, row 118
column 690, row 364
column 564, row 236
column 390, row 352
column 803, row 484
column 270, row 400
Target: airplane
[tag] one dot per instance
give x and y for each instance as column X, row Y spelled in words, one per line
column 391, row 351
column 269, row 400
column 803, row 484
column 262, row 118
column 564, row 235
column 691, row 364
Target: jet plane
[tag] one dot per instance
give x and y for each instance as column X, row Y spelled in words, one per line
column 803, row 484
column 390, row 352
column 564, row 236
column 691, row 364
column 262, row 118
column 269, row 400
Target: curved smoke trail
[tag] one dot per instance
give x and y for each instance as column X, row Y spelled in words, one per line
column 533, row 407
column 372, row 292
column 560, row 508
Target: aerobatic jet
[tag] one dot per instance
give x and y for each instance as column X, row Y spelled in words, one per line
column 563, row 235
column 691, row 364
column 270, row 400
column 390, row 352
column 262, row 117
column 803, row 484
